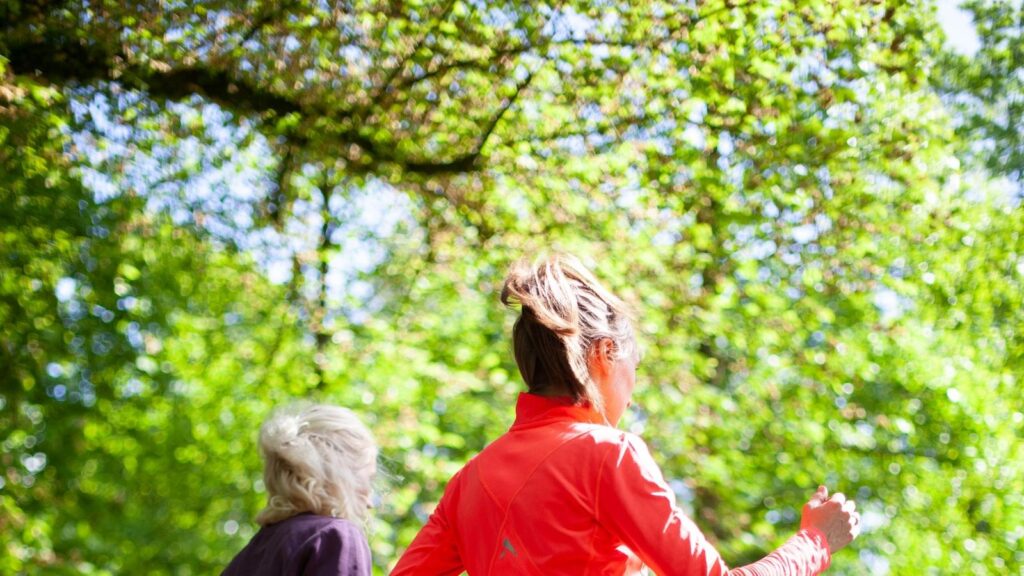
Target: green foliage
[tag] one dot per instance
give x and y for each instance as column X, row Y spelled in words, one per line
column 210, row 209
column 985, row 88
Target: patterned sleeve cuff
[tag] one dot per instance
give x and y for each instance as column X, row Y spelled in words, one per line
column 816, row 537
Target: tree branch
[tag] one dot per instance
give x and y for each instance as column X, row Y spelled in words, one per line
column 467, row 63
column 318, row 316
column 61, row 59
column 468, row 162
column 520, row 86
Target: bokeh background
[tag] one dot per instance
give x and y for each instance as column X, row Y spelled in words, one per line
column 209, row 208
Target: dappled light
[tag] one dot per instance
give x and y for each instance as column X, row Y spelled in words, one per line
column 208, row 210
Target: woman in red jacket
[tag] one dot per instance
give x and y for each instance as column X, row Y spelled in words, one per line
column 564, row 491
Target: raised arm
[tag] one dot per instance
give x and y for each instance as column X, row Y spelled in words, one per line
column 635, row 503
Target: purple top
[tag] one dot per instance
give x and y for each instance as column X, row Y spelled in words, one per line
column 304, row 545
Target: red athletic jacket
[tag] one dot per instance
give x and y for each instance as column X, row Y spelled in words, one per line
column 563, row 493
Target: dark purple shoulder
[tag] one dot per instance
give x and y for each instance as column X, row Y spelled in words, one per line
column 338, row 547
column 344, row 528
column 306, row 544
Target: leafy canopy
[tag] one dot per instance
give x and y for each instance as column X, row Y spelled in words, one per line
column 213, row 208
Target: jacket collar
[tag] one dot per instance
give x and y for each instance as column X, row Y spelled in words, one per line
column 532, row 410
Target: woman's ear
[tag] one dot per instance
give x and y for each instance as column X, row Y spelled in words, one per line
column 602, row 355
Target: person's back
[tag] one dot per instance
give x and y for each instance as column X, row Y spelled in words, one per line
column 560, row 493
column 564, row 491
column 304, row 545
column 525, row 504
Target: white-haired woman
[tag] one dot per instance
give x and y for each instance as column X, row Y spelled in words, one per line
column 319, row 464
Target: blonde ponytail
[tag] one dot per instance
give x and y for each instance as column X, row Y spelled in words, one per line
column 564, row 312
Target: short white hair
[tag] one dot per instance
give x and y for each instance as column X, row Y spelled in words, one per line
column 317, row 458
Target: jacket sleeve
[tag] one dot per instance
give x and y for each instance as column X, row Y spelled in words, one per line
column 634, row 503
column 433, row 552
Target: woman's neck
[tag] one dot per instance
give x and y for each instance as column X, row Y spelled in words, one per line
column 551, row 391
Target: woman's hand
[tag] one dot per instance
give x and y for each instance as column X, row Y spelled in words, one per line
column 836, row 517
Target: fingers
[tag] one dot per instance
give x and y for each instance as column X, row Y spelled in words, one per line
column 822, row 493
column 854, row 526
column 819, row 497
column 835, row 517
